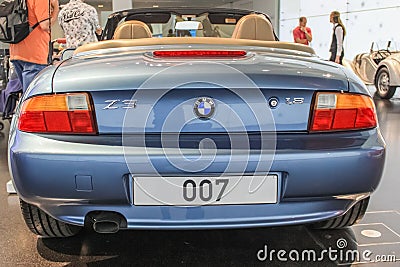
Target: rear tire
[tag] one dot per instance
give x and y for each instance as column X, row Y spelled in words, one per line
column 45, row 226
column 382, row 84
column 352, row 216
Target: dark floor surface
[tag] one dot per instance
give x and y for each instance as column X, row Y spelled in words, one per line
column 19, row 247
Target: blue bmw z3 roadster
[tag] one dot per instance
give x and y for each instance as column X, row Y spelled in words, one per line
column 217, row 124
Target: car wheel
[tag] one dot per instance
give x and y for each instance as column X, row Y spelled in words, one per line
column 43, row 225
column 1, row 126
column 352, row 216
column 382, row 84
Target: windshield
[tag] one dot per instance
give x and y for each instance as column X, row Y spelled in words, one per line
column 180, row 23
column 192, row 26
column 390, row 46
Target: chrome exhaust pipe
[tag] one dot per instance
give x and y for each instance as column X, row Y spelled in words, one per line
column 107, row 222
column 106, row 227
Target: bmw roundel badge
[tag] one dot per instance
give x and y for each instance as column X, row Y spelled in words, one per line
column 204, row 107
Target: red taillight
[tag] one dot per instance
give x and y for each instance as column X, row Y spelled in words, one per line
column 342, row 111
column 61, row 113
column 199, row 53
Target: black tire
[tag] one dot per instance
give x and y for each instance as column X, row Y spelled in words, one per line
column 1, row 126
column 352, row 216
column 45, row 226
column 382, row 81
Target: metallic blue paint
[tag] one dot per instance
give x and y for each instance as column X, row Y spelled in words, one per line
column 286, row 117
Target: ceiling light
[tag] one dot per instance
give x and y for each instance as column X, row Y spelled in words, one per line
column 155, row 5
column 100, row 6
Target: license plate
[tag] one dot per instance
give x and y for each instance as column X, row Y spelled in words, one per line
column 195, row 191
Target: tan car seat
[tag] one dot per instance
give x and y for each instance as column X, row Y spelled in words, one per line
column 254, row 27
column 132, row 29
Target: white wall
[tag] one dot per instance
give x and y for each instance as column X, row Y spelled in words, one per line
column 121, row 4
column 365, row 21
column 241, row 4
column 103, row 17
column 270, row 7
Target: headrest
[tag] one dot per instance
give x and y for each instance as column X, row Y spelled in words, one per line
column 254, row 27
column 132, row 29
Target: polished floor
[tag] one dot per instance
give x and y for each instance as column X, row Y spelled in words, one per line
column 377, row 237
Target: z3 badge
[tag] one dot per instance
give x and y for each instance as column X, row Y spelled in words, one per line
column 116, row 103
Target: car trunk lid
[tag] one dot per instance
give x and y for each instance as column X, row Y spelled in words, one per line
column 136, row 92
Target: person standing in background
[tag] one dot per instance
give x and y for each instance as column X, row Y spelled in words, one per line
column 80, row 23
column 30, row 55
column 302, row 34
column 339, row 32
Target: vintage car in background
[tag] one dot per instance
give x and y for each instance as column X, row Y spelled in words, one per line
column 380, row 67
column 231, row 131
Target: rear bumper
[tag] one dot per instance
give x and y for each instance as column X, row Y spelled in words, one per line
column 44, row 172
column 212, row 217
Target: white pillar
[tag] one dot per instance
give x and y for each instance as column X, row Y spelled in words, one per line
column 121, row 4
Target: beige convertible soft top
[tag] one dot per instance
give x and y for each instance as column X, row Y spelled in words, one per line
column 192, row 40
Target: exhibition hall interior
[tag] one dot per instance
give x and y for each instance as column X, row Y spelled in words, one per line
column 199, row 133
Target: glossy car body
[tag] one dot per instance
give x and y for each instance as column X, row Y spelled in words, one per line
column 380, row 67
column 319, row 175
